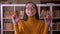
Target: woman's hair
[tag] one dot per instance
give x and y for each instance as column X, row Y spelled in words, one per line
column 36, row 15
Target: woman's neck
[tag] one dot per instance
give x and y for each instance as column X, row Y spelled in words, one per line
column 31, row 18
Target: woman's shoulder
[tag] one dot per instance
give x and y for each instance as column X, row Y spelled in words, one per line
column 41, row 21
column 21, row 21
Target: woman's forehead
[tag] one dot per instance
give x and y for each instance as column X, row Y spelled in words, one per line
column 29, row 4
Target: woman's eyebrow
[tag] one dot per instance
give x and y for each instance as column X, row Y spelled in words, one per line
column 33, row 6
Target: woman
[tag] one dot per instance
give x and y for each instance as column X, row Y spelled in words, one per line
column 31, row 25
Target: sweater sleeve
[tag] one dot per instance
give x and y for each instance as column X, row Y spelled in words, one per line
column 45, row 30
column 18, row 28
column 16, row 31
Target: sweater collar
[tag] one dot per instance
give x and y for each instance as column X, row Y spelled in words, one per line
column 31, row 18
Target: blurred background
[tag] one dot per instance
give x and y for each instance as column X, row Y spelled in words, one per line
column 6, row 27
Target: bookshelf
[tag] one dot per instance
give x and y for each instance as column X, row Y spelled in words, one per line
column 0, row 20
column 42, row 8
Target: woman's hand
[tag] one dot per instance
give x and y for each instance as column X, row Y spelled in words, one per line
column 15, row 18
column 47, row 19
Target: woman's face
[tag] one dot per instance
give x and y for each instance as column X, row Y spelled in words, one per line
column 30, row 9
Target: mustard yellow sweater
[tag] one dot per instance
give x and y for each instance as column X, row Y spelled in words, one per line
column 31, row 26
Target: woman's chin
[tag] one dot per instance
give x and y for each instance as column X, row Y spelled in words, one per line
column 30, row 15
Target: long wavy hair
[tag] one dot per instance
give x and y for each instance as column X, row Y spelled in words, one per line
column 36, row 15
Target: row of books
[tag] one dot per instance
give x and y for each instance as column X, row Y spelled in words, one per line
column 56, row 26
column 8, row 32
column 56, row 13
column 8, row 14
column 8, row 26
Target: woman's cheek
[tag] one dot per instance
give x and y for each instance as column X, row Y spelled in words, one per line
column 27, row 12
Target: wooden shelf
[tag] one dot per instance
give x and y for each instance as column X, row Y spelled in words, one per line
column 55, row 30
column 8, row 30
